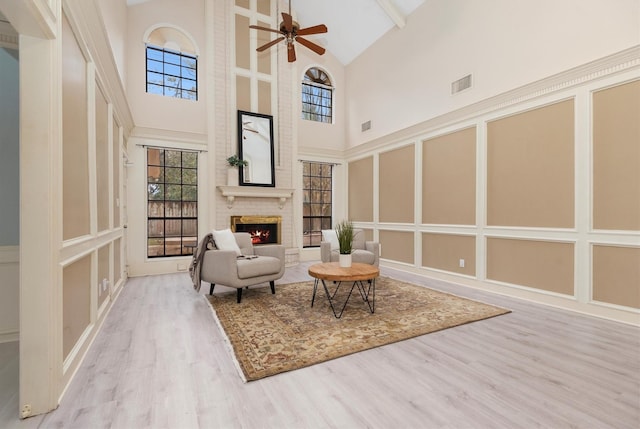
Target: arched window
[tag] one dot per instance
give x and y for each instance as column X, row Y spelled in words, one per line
column 317, row 96
column 172, row 64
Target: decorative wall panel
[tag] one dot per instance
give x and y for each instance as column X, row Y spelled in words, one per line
column 76, row 300
column 397, row 185
column 397, row 246
column 537, row 264
column 446, row 251
column 616, row 157
column 616, row 275
column 530, row 168
column 361, row 190
column 75, row 146
column 449, row 179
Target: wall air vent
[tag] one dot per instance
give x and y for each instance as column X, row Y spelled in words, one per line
column 366, row 126
column 461, row 84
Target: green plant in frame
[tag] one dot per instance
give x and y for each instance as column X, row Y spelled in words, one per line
column 235, row 161
column 344, row 231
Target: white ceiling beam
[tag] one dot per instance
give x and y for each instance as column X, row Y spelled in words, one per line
column 392, row 10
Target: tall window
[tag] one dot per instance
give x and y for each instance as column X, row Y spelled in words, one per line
column 317, row 201
column 317, row 96
column 172, row 73
column 172, row 202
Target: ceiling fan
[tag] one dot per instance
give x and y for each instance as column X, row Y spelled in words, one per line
column 290, row 31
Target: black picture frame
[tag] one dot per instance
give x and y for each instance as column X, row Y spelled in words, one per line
column 255, row 147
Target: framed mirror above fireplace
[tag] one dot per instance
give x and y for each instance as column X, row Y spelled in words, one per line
column 255, row 147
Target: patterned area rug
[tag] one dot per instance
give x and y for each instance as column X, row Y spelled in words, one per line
column 271, row 334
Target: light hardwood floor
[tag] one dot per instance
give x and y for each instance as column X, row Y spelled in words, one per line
column 160, row 361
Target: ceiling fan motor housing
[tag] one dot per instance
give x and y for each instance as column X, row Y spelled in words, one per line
column 294, row 30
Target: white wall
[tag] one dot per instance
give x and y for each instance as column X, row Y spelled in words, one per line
column 315, row 137
column 114, row 13
column 405, row 77
column 154, row 111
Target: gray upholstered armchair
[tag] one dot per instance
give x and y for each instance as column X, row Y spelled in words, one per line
column 366, row 252
column 257, row 264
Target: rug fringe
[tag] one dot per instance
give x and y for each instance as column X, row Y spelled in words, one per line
column 227, row 341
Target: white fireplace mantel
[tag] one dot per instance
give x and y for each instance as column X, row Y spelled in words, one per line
column 233, row 192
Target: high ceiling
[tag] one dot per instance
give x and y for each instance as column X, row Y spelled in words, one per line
column 353, row 24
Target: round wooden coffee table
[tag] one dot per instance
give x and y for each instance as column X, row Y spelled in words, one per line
column 358, row 274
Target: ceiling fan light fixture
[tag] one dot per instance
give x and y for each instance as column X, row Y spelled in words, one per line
column 290, row 32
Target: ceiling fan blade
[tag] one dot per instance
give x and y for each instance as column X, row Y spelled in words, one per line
column 316, row 29
column 270, row 44
column 315, row 48
column 257, row 27
column 291, row 53
column 288, row 22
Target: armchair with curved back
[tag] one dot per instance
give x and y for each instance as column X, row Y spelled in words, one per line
column 255, row 265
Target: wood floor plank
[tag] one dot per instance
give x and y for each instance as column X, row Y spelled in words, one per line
column 160, row 361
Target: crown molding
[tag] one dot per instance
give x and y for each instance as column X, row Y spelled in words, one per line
column 169, row 136
column 8, row 36
column 319, row 152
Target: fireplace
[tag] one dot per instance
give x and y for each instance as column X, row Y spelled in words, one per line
column 263, row 229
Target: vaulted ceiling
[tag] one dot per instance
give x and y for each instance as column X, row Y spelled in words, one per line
column 353, row 24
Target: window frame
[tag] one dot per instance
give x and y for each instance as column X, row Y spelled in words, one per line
column 154, row 205
column 313, row 236
column 314, row 90
column 162, row 71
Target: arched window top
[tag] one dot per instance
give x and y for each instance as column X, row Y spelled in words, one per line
column 317, row 96
column 317, row 75
column 172, row 62
column 170, row 37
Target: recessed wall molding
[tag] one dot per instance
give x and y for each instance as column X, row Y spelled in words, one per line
column 233, row 192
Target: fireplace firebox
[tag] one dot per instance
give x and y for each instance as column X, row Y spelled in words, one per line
column 263, row 229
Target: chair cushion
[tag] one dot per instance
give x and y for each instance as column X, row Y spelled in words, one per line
column 225, row 240
column 331, row 237
column 258, row 266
